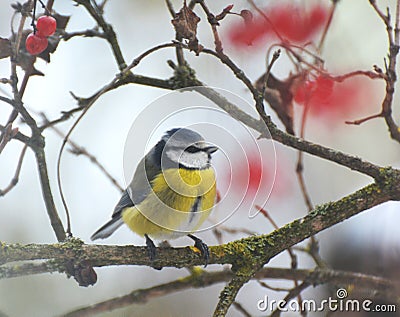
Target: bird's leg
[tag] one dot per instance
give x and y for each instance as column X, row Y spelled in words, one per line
column 152, row 251
column 151, row 248
column 199, row 244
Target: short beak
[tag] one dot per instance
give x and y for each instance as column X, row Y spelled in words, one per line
column 210, row 148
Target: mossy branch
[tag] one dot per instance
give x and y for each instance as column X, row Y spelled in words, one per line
column 253, row 251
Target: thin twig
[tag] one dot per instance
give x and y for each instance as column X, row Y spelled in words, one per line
column 66, row 138
column 272, row 288
column 6, row 136
column 180, row 58
column 80, row 150
column 292, row 294
column 138, row 59
column 367, row 73
column 241, row 309
column 170, row 8
column 365, row 119
column 391, row 76
column 213, row 23
column 87, row 33
column 14, row 77
column 14, row 180
column 327, row 26
column 18, row 136
column 274, row 58
column 384, row 18
column 55, row 220
column 299, row 165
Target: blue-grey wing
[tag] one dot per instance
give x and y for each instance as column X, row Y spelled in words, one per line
column 140, row 186
column 136, row 192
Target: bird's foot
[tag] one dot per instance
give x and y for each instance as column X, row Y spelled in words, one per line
column 199, row 244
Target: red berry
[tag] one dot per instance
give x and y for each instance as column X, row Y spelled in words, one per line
column 304, row 92
column 35, row 44
column 46, row 25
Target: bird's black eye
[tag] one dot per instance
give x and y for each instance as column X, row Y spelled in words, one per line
column 192, row 149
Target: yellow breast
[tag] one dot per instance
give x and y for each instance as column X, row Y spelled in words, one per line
column 180, row 202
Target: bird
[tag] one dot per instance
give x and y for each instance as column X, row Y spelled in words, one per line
column 172, row 192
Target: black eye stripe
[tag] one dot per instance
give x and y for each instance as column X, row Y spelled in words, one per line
column 192, row 149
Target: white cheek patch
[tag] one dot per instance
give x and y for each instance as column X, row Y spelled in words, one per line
column 191, row 160
column 194, row 160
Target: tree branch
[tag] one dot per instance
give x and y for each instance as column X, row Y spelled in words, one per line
column 386, row 288
column 257, row 250
column 228, row 294
column 278, row 135
column 47, row 194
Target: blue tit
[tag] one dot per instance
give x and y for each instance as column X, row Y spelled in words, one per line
column 172, row 192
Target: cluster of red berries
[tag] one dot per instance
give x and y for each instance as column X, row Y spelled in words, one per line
column 37, row 42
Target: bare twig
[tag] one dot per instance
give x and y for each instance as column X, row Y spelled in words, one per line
column 87, row 33
column 391, row 77
column 178, row 50
column 55, row 220
column 138, row 59
column 272, row 288
column 96, row 12
column 14, row 180
column 17, row 136
column 170, row 8
column 14, row 77
column 213, row 23
column 327, row 26
column 274, row 58
column 362, row 120
column 80, row 150
column 367, row 73
column 241, row 309
column 6, row 136
column 292, row 294
column 299, row 165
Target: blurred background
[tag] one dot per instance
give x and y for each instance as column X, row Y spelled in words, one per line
column 357, row 40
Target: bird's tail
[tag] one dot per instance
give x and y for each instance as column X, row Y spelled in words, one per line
column 109, row 228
